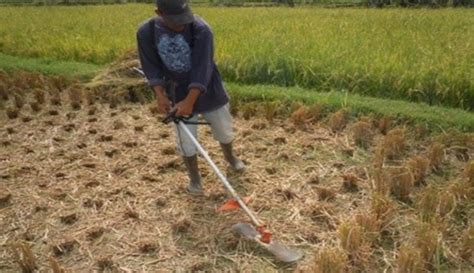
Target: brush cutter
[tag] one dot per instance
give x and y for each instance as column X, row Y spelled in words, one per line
column 258, row 232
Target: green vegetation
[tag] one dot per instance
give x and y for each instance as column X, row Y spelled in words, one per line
column 418, row 55
column 45, row 66
column 434, row 116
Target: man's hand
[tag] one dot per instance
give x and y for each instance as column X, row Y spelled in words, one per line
column 185, row 107
column 164, row 104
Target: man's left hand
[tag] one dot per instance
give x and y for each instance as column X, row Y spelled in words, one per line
column 184, row 108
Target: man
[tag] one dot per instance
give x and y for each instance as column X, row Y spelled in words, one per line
column 178, row 47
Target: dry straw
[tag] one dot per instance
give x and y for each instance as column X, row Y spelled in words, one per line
column 104, row 188
column 394, row 143
column 362, row 134
column 330, row 260
column 409, row 259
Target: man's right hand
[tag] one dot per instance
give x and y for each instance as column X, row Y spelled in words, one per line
column 164, row 104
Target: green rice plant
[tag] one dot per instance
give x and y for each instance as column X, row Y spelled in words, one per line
column 419, row 55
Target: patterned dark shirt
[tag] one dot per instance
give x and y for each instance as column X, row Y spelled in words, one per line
column 186, row 58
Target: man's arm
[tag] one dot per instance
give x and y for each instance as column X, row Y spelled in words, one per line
column 202, row 59
column 152, row 67
column 149, row 60
column 202, row 67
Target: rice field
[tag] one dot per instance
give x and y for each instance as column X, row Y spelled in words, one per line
column 92, row 184
column 419, row 55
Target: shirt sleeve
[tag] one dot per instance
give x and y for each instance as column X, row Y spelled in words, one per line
column 202, row 60
column 149, row 60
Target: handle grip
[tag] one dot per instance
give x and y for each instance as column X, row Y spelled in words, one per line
column 171, row 116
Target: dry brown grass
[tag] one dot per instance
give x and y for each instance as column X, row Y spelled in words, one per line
column 467, row 244
column 469, row 173
column 459, row 189
column 3, row 91
column 69, row 218
column 306, row 115
column 384, row 208
column 249, row 110
column 385, row 124
column 75, row 97
column 64, row 247
column 338, row 121
column 394, row 144
column 401, row 182
column 23, row 256
column 35, row 106
column 136, row 96
column 118, row 124
column 409, row 259
column 370, row 224
column 182, row 225
column 362, row 134
column 53, row 112
column 378, row 161
column 98, row 173
column 320, row 213
column 326, row 194
column 10, row 131
column 58, row 82
column 105, row 263
column 427, row 240
column 90, row 97
column 131, row 214
column 380, row 181
column 368, row 119
column 447, row 203
column 421, row 130
column 350, row 182
column 19, row 101
column 12, row 113
column 148, row 247
column 26, row 119
column 300, row 116
column 55, row 97
column 330, row 260
column 436, row 156
column 435, row 203
column 351, row 236
column 95, row 233
column 40, row 96
column 419, row 167
column 154, row 110
column 55, row 266
column 271, row 110
column 353, row 240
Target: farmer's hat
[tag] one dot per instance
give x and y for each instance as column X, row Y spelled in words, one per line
column 177, row 12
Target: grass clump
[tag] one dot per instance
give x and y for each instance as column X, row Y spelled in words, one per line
column 419, row 167
column 409, row 259
column 330, row 260
column 394, row 144
column 362, row 134
column 23, row 256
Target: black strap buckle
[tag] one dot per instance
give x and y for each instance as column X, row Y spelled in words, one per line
column 171, row 117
